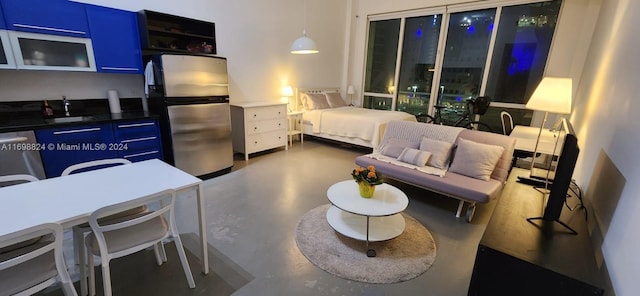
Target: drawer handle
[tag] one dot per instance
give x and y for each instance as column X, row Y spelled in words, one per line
column 119, row 68
column 84, row 130
column 135, row 124
column 49, row 29
column 256, row 142
column 141, row 154
column 255, row 128
column 254, row 115
column 138, row 140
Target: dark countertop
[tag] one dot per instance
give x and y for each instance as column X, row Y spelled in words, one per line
column 25, row 115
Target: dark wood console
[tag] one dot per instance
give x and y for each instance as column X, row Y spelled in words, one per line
column 516, row 257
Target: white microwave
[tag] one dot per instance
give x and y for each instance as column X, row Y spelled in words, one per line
column 34, row 51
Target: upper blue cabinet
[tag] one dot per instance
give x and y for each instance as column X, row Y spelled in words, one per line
column 2, row 24
column 57, row 17
column 114, row 34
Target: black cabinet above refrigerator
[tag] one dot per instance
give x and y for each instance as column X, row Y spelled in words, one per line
column 160, row 32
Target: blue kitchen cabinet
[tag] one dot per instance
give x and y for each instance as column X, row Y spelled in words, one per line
column 116, row 43
column 66, row 146
column 2, row 23
column 56, row 17
column 138, row 140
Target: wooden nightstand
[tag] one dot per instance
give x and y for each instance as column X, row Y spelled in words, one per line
column 295, row 126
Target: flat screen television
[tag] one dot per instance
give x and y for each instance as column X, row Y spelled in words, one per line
column 562, row 178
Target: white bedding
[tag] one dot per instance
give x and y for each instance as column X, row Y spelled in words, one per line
column 353, row 122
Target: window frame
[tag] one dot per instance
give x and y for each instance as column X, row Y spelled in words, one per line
column 446, row 12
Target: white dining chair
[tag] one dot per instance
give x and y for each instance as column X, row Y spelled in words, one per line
column 16, row 179
column 80, row 231
column 115, row 239
column 95, row 164
column 32, row 260
column 507, row 122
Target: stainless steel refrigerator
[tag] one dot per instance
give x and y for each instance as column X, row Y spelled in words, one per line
column 191, row 95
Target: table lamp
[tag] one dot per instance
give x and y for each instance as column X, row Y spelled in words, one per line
column 553, row 94
column 350, row 92
column 287, row 92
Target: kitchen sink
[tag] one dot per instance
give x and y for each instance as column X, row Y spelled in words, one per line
column 69, row 119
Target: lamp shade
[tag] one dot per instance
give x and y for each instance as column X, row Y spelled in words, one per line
column 553, row 94
column 286, row 91
column 304, row 45
column 350, row 90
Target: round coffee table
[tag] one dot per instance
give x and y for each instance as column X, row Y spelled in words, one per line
column 368, row 219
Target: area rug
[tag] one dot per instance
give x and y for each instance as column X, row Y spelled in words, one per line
column 400, row 259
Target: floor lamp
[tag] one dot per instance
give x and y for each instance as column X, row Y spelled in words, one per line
column 553, row 94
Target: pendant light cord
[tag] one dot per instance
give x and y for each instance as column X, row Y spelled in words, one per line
column 304, row 28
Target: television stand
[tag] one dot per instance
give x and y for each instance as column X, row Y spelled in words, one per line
column 518, row 257
column 530, row 220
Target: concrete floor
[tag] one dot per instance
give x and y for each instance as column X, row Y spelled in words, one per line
column 252, row 213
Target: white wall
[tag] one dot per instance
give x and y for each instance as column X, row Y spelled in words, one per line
column 254, row 36
column 605, row 117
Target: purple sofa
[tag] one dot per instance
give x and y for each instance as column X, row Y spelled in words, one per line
column 464, row 188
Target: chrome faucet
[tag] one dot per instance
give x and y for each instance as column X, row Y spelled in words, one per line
column 65, row 103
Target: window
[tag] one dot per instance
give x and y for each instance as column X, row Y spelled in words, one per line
column 419, row 53
column 520, row 51
column 507, row 70
column 465, row 56
column 381, row 63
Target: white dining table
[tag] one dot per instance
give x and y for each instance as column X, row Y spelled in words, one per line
column 69, row 200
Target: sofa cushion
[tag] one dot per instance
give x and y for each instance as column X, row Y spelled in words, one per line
column 414, row 156
column 393, row 147
column 475, row 160
column 501, row 171
column 440, row 152
column 451, row 184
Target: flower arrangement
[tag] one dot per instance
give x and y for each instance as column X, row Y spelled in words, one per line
column 368, row 175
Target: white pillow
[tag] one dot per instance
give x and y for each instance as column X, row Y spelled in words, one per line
column 314, row 102
column 394, row 147
column 475, row 160
column 414, row 156
column 440, row 152
column 335, row 100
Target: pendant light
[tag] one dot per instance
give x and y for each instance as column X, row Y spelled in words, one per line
column 304, row 44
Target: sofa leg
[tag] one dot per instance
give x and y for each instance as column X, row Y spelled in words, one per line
column 471, row 210
column 460, row 206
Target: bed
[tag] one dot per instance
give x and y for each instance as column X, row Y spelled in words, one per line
column 326, row 115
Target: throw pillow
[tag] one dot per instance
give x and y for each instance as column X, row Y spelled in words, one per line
column 393, row 147
column 440, row 152
column 335, row 100
column 475, row 160
column 315, row 102
column 414, row 156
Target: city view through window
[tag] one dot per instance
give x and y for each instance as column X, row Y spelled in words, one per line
column 467, row 69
